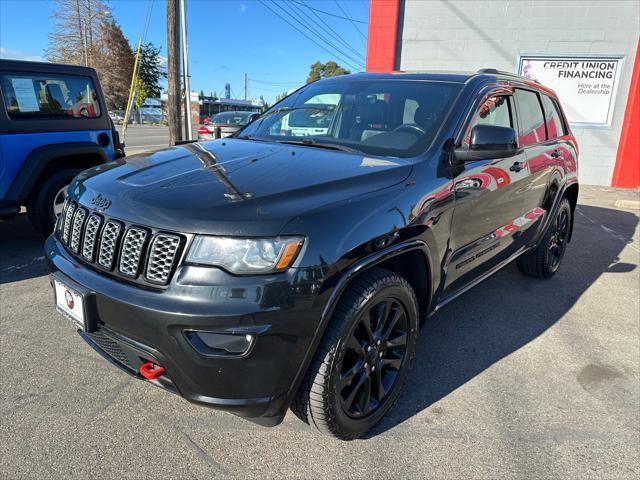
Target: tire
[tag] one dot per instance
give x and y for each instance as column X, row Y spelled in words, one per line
column 544, row 260
column 40, row 207
column 342, row 381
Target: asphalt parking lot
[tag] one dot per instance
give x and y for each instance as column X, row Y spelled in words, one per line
column 518, row 377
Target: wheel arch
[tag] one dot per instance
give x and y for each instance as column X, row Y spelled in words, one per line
column 396, row 258
column 571, row 194
column 46, row 159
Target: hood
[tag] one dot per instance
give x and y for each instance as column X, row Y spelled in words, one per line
column 231, row 187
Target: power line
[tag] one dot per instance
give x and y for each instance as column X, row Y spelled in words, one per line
column 351, row 20
column 312, row 30
column 318, row 34
column 332, row 14
column 303, row 33
column 330, row 31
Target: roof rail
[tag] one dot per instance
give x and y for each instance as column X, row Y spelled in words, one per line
column 494, row 71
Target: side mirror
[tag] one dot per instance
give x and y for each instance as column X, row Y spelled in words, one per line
column 488, row 142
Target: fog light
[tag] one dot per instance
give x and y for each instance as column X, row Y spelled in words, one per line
column 220, row 344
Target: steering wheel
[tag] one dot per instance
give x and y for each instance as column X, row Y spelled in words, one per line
column 410, row 128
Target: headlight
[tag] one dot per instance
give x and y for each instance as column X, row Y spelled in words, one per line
column 245, row 255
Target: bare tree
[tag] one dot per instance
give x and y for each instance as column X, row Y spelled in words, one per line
column 77, row 28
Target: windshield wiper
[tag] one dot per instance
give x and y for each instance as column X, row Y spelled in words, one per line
column 310, row 142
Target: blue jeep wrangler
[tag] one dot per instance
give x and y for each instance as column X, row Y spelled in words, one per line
column 53, row 124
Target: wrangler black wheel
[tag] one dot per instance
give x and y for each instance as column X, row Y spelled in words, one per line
column 364, row 358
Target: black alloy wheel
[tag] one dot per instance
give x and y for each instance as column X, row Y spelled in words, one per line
column 373, row 358
column 363, row 358
column 558, row 239
column 544, row 260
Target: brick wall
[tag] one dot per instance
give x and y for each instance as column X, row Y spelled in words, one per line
column 468, row 35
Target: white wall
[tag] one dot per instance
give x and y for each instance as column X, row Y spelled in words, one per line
column 469, row 35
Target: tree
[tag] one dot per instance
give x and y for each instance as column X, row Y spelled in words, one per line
column 149, row 69
column 116, row 67
column 324, row 70
column 77, row 29
column 85, row 33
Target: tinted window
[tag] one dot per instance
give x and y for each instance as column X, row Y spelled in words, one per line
column 494, row 111
column 232, row 118
column 530, row 119
column 49, row 96
column 378, row 117
column 553, row 119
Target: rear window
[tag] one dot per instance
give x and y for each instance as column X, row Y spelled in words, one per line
column 49, row 96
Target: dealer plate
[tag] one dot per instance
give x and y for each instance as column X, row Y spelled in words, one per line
column 70, row 303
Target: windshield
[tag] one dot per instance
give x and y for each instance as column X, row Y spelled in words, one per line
column 232, row 118
column 378, row 117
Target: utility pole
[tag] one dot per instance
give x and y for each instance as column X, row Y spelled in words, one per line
column 185, row 69
column 245, row 86
column 173, row 72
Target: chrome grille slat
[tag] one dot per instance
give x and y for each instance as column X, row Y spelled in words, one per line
column 76, row 229
column 161, row 257
column 90, row 235
column 68, row 217
column 131, row 251
column 108, row 243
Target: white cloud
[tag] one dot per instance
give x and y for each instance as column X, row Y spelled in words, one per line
column 12, row 54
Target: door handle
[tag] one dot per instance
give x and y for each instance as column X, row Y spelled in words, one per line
column 516, row 167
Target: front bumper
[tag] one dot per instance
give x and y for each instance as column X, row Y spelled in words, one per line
column 135, row 324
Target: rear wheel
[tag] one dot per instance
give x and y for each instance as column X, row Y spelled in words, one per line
column 363, row 359
column 46, row 200
column 545, row 259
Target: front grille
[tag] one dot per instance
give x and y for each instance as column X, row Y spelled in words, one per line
column 130, row 251
column 90, row 235
column 163, row 252
column 110, row 347
column 108, row 243
column 68, row 218
column 76, row 229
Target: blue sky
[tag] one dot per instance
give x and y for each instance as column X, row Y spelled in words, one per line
column 226, row 37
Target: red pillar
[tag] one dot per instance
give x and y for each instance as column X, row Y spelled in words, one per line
column 626, row 173
column 383, row 32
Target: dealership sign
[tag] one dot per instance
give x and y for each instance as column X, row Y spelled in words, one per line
column 586, row 85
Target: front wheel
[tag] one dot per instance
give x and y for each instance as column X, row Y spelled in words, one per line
column 46, row 200
column 363, row 359
column 545, row 259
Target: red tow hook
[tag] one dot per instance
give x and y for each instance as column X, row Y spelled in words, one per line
column 151, row 371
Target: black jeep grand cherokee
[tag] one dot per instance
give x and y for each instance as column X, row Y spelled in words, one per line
column 285, row 269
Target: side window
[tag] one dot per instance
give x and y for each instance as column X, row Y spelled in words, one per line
column 531, row 122
column 494, row 111
column 49, row 96
column 552, row 117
